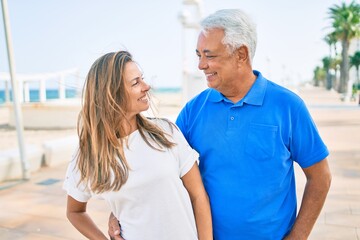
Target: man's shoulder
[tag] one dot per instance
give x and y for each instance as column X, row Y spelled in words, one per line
column 282, row 93
column 193, row 107
column 202, row 94
column 200, row 98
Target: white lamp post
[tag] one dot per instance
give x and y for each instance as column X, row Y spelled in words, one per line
column 17, row 109
column 190, row 17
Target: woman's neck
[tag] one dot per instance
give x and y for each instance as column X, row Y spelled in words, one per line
column 130, row 126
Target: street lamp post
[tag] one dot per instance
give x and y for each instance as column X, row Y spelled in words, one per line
column 17, row 109
column 190, row 17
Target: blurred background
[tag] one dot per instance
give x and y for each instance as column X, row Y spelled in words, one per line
column 310, row 47
column 52, row 36
column 55, row 42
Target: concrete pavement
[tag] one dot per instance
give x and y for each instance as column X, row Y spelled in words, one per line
column 339, row 126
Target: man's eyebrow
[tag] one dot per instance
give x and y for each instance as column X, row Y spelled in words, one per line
column 204, row 51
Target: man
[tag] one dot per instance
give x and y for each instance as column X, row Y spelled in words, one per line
column 249, row 132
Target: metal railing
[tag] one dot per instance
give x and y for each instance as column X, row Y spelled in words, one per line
column 25, row 80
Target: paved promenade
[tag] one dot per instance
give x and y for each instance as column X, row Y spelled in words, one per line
column 35, row 210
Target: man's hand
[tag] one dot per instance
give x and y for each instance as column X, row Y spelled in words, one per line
column 318, row 180
column 114, row 228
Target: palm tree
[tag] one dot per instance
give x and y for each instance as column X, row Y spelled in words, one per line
column 319, row 75
column 326, row 66
column 331, row 40
column 346, row 24
column 355, row 62
column 335, row 65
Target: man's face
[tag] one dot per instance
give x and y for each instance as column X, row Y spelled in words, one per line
column 220, row 67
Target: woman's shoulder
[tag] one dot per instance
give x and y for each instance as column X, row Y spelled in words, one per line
column 164, row 123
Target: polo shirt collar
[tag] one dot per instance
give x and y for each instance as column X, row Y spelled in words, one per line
column 255, row 96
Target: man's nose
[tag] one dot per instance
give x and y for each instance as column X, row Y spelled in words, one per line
column 202, row 63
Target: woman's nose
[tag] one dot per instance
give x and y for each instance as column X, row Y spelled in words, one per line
column 146, row 87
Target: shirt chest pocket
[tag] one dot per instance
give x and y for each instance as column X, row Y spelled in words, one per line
column 261, row 141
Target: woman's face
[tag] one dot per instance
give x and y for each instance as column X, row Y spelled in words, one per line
column 138, row 100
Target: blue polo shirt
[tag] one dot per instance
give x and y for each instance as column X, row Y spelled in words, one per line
column 247, row 150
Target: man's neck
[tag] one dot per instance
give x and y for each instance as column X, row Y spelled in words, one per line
column 239, row 91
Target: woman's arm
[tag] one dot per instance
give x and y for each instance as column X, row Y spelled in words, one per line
column 76, row 213
column 200, row 202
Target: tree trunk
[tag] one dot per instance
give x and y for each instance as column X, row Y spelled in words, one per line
column 336, row 82
column 344, row 66
column 357, row 83
column 328, row 80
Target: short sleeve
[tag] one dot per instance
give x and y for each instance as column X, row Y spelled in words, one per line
column 79, row 192
column 184, row 154
column 307, row 147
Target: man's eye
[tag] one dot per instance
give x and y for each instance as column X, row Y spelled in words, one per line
column 210, row 56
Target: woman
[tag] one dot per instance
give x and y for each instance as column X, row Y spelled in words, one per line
column 142, row 167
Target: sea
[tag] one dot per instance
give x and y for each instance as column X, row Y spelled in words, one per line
column 71, row 93
column 50, row 94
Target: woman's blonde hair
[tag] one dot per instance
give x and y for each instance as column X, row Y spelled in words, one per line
column 101, row 159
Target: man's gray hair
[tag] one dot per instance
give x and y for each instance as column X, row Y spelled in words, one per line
column 239, row 29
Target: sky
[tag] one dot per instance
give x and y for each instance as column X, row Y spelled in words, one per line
column 51, row 36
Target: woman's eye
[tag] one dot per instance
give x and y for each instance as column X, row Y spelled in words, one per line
column 135, row 83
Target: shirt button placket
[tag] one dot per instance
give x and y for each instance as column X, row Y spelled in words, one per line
column 231, row 117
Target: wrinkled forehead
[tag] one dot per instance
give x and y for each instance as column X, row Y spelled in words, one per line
column 210, row 39
column 132, row 71
column 210, row 31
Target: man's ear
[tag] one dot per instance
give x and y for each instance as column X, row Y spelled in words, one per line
column 242, row 54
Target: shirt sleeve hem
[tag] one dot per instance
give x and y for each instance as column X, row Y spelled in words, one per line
column 314, row 160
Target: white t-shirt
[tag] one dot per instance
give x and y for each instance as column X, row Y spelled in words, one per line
column 153, row 203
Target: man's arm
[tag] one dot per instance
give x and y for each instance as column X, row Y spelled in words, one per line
column 114, row 228
column 318, row 178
